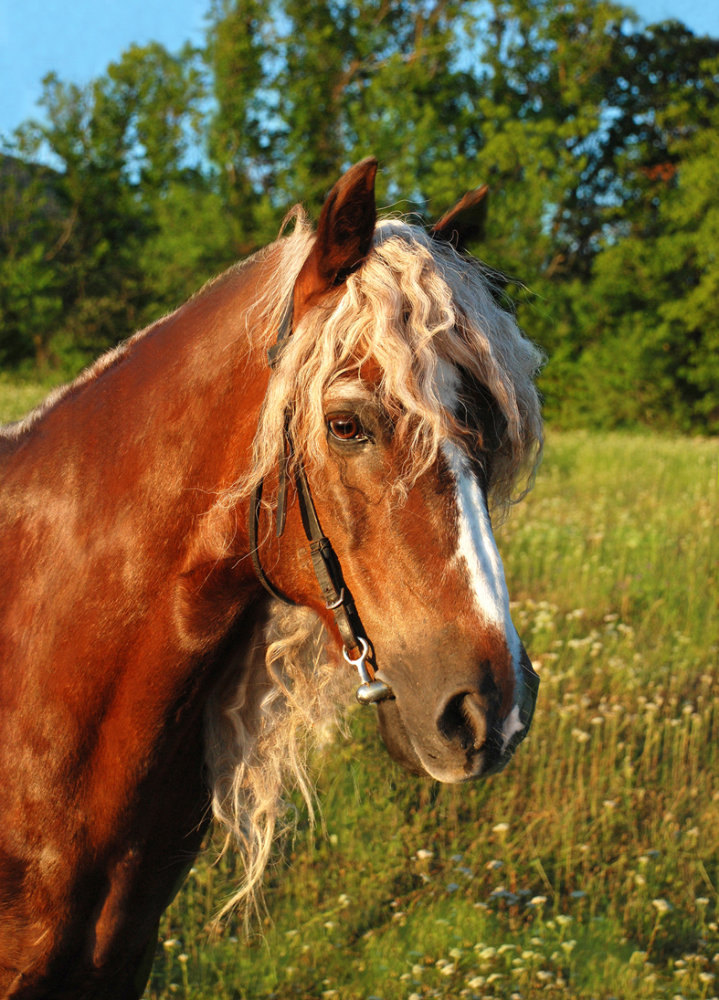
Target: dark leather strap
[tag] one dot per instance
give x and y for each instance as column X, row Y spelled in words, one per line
column 328, row 571
column 334, row 590
column 336, row 593
column 254, row 524
column 282, row 481
column 284, row 332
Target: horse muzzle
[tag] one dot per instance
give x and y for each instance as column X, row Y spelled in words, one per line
column 460, row 735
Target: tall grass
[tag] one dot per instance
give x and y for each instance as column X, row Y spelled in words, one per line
column 18, row 398
column 589, row 868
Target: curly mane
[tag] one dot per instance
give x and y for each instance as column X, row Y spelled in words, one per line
column 414, row 306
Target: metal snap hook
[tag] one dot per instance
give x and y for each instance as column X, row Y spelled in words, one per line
column 370, row 694
column 360, row 661
column 370, row 691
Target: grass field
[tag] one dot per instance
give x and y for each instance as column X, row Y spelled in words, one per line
column 590, row 867
column 16, row 398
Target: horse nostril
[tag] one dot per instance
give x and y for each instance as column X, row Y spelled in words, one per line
column 464, row 720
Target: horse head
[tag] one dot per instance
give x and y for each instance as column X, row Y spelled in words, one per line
column 139, row 524
column 401, row 405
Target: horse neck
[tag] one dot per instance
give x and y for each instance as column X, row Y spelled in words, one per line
column 107, row 499
column 125, row 599
column 164, row 423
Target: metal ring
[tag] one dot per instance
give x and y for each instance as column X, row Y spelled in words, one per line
column 359, row 662
column 337, row 604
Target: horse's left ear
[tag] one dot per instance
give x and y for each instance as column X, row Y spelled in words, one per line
column 465, row 223
column 344, row 235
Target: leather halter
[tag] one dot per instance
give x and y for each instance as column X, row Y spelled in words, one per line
column 328, row 570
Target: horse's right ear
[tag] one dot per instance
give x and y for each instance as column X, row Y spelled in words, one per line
column 465, row 223
column 344, row 236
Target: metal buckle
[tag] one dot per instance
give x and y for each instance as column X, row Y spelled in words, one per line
column 338, row 604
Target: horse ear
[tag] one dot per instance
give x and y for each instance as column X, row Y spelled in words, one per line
column 465, row 223
column 344, row 235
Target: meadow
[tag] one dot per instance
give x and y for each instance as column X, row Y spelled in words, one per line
column 589, row 868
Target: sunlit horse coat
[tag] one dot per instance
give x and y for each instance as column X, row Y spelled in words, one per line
column 146, row 675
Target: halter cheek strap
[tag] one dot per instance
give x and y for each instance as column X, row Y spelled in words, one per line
column 336, row 593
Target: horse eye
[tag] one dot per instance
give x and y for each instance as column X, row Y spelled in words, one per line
column 346, row 427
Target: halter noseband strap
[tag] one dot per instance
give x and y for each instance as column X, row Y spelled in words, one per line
column 328, row 570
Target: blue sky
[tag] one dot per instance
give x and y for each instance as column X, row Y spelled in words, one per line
column 78, row 38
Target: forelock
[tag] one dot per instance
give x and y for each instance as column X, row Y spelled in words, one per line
column 413, row 305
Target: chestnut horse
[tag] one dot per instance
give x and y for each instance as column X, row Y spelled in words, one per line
column 147, row 676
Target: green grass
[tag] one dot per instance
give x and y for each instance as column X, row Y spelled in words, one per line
column 18, row 398
column 590, row 867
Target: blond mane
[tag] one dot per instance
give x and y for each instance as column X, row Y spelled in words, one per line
column 412, row 306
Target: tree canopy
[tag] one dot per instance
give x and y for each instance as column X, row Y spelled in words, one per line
column 598, row 138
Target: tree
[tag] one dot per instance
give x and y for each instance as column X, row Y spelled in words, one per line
column 593, row 136
column 597, row 139
column 303, row 88
column 240, row 144
column 31, row 234
column 149, row 107
column 119, row 145
column 661, row 279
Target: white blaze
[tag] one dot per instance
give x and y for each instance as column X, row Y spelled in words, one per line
column 477, row 550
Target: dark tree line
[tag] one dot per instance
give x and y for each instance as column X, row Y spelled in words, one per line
column 599, row 140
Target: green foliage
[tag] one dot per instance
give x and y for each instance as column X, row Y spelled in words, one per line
column 598, row 140
column 589, row 867
column 667, row 286
column 30, row 233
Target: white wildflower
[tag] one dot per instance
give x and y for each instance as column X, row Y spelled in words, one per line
column 662, row 906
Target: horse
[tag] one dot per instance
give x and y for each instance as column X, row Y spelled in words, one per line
column 286, row 480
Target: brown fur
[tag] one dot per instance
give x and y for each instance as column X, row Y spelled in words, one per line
column 135, row 639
